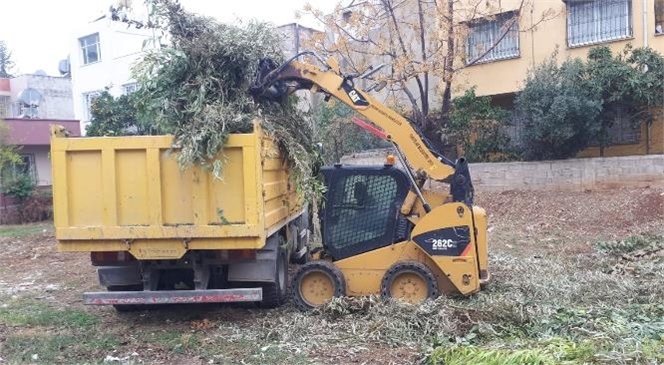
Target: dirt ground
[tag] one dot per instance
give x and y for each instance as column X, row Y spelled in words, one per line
column 43, row 320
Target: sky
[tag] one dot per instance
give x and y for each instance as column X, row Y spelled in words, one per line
column 39, row 33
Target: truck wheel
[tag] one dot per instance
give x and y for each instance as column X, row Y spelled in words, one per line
column 126, row 307
column 315, row 283
column 410, row 281
column 274, row 294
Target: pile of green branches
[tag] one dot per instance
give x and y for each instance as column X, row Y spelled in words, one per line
column 196, row 88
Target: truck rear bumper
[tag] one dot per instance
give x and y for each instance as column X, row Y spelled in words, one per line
column 174, row 296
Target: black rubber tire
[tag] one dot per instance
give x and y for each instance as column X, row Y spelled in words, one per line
column 275, row 294
column 324, row 267
column 123, row 308
column 414, row 267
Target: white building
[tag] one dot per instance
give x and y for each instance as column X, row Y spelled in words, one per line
column 104, row 51
column 296, row 39
column 102, row 55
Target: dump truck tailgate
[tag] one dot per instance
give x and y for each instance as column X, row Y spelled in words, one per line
column 130, row 194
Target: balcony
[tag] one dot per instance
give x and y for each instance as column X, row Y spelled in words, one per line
column 36, row 132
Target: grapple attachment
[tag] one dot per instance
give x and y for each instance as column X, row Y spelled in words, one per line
column 266, row 86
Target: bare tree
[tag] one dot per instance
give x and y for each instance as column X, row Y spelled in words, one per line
column 424, row 42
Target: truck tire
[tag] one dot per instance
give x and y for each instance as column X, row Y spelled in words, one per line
column 274, row 294
column 126, row 307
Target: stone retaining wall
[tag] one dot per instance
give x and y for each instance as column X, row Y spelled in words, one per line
column 573, row 174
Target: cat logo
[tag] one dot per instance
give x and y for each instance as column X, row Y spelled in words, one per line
column 354, row 95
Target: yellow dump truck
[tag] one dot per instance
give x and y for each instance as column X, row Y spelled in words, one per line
column 160, row 234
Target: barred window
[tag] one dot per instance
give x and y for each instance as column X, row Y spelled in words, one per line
column 624, row 132
column 88, row 98
column 515, row 128
column 5, row 107
column 659, row 16
column 596, row 21
column 26, row 166
column 493, row 39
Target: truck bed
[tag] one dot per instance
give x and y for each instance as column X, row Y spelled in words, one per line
column 130, row 194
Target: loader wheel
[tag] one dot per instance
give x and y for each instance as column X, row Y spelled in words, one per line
column 274, row 294
column 411, row 282
column 317, row 282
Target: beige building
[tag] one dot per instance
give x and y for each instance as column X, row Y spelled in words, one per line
column 571, row 28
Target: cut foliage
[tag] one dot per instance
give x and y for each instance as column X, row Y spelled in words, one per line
column 196, row 88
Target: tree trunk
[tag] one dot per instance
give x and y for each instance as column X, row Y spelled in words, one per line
column 449, row 61
column 423, row 44
column 603, row 140
column 648, row 125
column 447, row 149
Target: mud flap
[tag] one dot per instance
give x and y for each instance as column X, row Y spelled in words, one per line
column 119, row 275
column 260, row 270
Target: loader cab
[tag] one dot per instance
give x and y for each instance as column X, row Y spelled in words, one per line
column 361, row 210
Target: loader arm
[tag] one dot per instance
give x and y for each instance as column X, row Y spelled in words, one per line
column 294, row 75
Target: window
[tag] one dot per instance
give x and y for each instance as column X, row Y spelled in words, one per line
column 495, row 39
column 598, row 21
column 26, row 167
column 128, row 88
column 623, row 130
column 91, row 49
column 5, row 107
column 659, row 16
column 361, row 208
column 88, row 98
column 28, row 111
column 515, row 129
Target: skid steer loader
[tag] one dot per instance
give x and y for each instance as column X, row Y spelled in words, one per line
column 383, row 232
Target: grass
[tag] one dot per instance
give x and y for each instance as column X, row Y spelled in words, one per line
column 60, row 348
column 30, row 313
column 224, row 345
column 39, row 333
column 603, row 307
column 543, row 306
column 24, row 229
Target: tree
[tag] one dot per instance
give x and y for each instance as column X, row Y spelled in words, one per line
column 6, row 63
column 628, row 85
column 568, row 107
column 478, row 128
column 8, row 152
column 339, row 135
column 15, row 182
column 649, row 88
column 115, row 117
column 559, row 111
column 423, row 43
